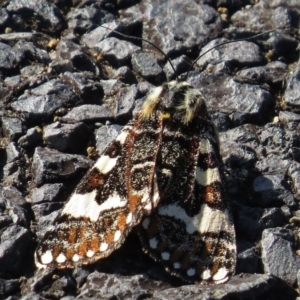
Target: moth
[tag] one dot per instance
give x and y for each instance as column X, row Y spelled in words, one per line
column 164, row 174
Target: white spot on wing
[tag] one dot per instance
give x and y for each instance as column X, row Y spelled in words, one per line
column 75, row 257
column 177, row 265
column 103, row 247
column 206, row 274
column 191, row 272
column 207, row 177
column 146, row 223
column 205, row 146
column 222, row 274
column 90, row 253
column 122, row 137
column 153, row 243
column 86, row 206
column 47, row 257
column 129, row 218
column 165, row 255
column 61, row 258
column 117, row 235
column 105, row 164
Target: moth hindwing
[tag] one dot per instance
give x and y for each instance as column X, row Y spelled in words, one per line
column 164, row 167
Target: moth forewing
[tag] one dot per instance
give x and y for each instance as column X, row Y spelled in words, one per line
column 111, row 198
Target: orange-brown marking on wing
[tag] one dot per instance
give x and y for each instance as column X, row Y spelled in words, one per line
column 72, row 235
column 56, row 250
column 94, row 244
column 95, row 180
column 109, row 238
column 212, row 195
column 121, row 221
column 134, row 202
column 82, row 248
column 82, row 232
column 69, row 253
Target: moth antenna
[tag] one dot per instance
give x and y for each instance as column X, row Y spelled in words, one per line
column 144, row 40
column 225, row 43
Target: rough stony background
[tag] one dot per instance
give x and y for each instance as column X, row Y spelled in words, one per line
column 63, row 78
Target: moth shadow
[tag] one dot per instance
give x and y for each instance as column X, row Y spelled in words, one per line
column 130, row 260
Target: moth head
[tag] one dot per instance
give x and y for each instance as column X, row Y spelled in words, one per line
column 178, row 100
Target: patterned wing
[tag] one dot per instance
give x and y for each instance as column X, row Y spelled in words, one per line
column 191, row 232
column 109, row 201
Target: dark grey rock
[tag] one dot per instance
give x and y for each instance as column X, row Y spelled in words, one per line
column 146, row 65
column 14, row 249
column 68, row 50
column 84, row 19
column 44, row 209
column 88, row 113
column 44, row 221
column 240, row 287
column 186, row 27
column 5, row 221
column 281, row 44
column 273, row 73
column 286, row 117
column 90, row 91
column 12, row 197
column 33, row 52
column 291, row 95
column 48, row 13
column 19, row 216
column 108, row 286
column 91, row 39
column 13, row 81
column 47, row 193
column 282, row 17
column 33, row 137
column 9, row 286
column 62, row 66
column 221, row 121
column 240, row 53
column 105, row 135
column 12, row 152
column 12, row 128
column 272, row 163
column 32, row 296
column 248, row 262
column 273, row 217
column 115, row 51
column 181, row 64
column 45, row 99
column 239, row 145
column 51, row 165
column 246, row 103
column 10, row 58
column 125, row 75
column 124, row 101
column 293, row 173
column 65, row 137
column 111, row 86
column 4, row 17
column 278, row 255
column 15, row 175
column 36, row 69
column 270, row 190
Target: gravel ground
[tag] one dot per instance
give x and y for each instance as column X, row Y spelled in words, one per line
column 68, row 87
